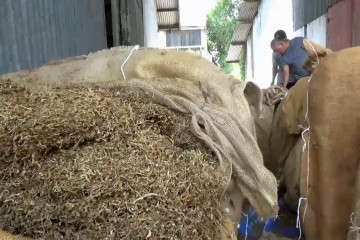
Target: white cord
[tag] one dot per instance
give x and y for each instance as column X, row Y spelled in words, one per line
column 306, row 146
column 131, row 52
column 317, row 57
column 247, row 223
column 298, row 224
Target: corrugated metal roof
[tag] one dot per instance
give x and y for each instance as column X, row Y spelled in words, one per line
column 248, row 11
column 306, row 11
column 162, row 4
column 35, row 32
column 241, row 32
column 234, row 53
column 167, row 18
column 168, row 14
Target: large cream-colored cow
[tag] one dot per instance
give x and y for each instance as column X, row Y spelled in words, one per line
column 322, row 168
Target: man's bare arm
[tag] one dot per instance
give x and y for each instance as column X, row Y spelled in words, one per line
column 274, row 72
column 286, row 75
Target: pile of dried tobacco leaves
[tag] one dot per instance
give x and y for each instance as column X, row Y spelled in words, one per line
column 84, row 162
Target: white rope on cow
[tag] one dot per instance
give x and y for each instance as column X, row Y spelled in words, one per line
column 317, row 57
column 298, row 224
column 127, row 58
column 306, row 146
column 353, row 227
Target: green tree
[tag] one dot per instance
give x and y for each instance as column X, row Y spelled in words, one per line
column 220, row 28
column 242, row 63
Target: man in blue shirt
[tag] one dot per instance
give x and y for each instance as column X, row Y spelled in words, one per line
column 276, row 61
column 293, row 54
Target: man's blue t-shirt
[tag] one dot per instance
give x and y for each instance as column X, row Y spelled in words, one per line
column 277, row 59
column 295, row 57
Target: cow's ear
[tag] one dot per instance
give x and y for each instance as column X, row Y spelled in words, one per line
column 253, row 96
column 309, row 65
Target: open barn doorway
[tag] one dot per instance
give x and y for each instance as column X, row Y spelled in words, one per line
column 108, row 23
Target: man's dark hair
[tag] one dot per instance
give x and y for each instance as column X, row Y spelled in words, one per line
column 280, row 35
column 275, row 42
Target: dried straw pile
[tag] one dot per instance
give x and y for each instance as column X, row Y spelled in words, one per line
column 83, row 162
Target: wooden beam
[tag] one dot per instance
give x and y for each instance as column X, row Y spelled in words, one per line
column 233, row 61
column 238, row 43
column 168, row 27
column 246, row 21
column 167, row 10
column 115, row 15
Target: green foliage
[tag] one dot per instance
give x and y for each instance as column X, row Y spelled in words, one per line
column 242, row 63
column 220, row 27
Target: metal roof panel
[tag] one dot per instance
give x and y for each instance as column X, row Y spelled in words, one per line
column 234, row 53
column 167, row 18
column 44, row 30
column 248, row 11
column 241, row 32
column 168, row 14
column 163, row 4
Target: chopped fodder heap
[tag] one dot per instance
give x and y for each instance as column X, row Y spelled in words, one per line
column 84, row 162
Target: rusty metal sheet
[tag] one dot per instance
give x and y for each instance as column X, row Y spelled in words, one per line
column 340, row 25
column 356, row 23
